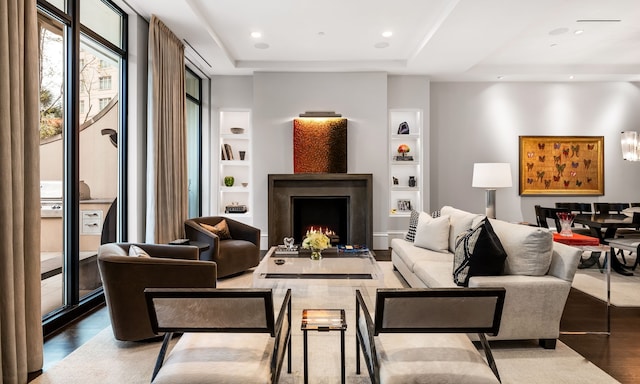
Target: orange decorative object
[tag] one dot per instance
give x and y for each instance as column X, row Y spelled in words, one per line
column 576, row 239
column 403, row 148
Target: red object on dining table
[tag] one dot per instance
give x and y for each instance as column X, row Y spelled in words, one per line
column 576, row 239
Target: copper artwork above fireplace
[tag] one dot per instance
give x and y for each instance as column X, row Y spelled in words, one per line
column 320, row 145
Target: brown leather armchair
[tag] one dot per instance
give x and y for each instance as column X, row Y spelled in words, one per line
column 125, row 278
column 234, row 255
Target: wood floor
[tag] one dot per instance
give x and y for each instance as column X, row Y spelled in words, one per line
column 618, row 354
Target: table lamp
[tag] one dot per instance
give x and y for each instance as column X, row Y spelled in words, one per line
column 491, row 176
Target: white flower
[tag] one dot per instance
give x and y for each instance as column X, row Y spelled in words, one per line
column 316, row 240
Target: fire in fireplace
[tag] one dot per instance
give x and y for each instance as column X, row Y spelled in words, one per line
column 329, row 214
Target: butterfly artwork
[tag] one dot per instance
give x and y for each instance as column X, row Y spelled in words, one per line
column 530, row 167
column 556, row 145
column 591, row 146
column 530, row 154
column 565, row 152
column 575, row 164
column 529, row 180
column 541, row 158
column 578, row 183
column 540, row 145
column 587, row 163
column 575, row 150
column 540, row 175
column 557, row 159
column 556, row 178
column 547, row 184
column 567, row 183
column 589, row 179
column 560, row 168
column 573, row 173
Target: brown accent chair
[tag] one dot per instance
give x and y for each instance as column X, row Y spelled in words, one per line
column 234, row 255
column 125, row 278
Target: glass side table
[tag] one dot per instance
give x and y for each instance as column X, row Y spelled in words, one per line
column 323, row 320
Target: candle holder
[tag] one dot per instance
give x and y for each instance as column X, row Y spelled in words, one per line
column 566, row 221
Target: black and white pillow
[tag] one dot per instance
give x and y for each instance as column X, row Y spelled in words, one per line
column 413, row 224
column 478, row 253
column 436, row 214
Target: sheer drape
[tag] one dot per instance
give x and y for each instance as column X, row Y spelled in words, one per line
column 20, row 314
column 167, row 161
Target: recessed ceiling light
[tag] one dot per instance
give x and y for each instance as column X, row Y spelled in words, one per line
column 320, row 33
column 553, row 45
column 261, row 45
column 387, row 34
column 578, row 32
column 382, row 44
column 570, row 77
column 256, row 35
column 500, row 77
column 558, row 31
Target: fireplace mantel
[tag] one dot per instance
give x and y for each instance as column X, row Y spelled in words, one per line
column 284, row 187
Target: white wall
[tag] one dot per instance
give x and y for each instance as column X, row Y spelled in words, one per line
column 278, row 98
column 481, row 122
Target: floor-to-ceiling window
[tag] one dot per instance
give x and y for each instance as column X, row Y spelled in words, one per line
column 194, row 139
column 82, row 110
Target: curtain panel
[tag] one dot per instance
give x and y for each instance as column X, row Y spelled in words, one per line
column 20, row 308
column 168, row 195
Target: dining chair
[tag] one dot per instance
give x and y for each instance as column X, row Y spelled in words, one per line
column 604, row 208
column 543, row 214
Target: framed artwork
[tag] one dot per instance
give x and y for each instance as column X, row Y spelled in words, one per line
column 562, row 165
column 404, row 205
column 320, row 145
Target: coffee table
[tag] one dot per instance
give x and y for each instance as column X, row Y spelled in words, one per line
column 334, row 265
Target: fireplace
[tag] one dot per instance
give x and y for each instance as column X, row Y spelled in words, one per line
column 327, row 214
column 341, row 202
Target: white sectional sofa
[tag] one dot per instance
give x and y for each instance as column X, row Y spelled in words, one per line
column 537, row 274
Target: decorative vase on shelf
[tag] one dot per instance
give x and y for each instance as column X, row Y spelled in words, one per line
column 566, row 221
column 228, row 181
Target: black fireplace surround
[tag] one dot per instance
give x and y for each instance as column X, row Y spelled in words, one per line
column 355, row 189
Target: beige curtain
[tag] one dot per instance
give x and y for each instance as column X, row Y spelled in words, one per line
column 168, row 169
column 20, row 315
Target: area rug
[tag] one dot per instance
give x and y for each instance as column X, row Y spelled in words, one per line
column 625, row 290
column 106, row 360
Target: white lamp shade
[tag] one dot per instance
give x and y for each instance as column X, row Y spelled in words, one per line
column 491, row 175
column 629, row 144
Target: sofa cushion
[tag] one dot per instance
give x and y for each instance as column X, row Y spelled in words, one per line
column 410, row 254
column 432, row 233
column 435, row 274
column 478, row 253
column 413, row 224
column 459, row 221
column 529, row 249
column 221, row 229
column 136, row 251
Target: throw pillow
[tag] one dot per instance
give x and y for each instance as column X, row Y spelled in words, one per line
column 435, row 214
column 136, row 251
column 221, row 229
column 478, row 253
column 432, row 233
column 413, row 223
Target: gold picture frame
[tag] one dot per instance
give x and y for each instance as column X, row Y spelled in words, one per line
column 562, row 165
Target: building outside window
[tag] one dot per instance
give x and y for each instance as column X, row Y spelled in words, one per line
column 103, row 102
column 105, row 82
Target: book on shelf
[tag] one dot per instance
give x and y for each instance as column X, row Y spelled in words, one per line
column 228, row 152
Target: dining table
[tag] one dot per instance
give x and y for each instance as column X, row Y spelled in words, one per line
column 604, row 227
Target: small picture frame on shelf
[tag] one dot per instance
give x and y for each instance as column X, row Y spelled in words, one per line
column 404, row 205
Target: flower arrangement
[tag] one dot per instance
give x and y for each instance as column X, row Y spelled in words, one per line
column 315, row 240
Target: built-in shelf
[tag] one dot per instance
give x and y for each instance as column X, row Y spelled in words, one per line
column 233, row 147
column 403, row 197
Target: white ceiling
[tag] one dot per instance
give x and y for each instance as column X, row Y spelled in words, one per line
column 454, row 40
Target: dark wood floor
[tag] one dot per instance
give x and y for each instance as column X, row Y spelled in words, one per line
column 618, row 354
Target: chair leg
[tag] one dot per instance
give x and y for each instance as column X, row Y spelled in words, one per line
column 548, row 343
